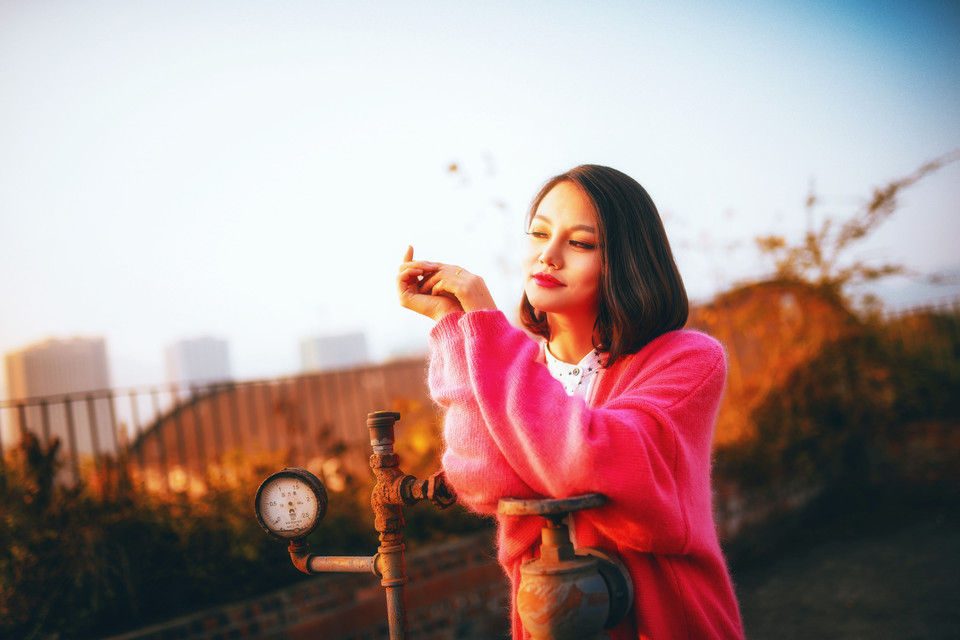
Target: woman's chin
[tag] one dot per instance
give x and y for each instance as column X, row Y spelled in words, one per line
column 536, row 298
column 542, row 306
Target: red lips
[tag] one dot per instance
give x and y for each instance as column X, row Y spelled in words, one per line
column 547, row 280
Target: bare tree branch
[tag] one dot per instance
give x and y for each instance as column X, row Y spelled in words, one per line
column 817, row 258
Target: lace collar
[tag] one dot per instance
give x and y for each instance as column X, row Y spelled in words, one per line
column 575, row 378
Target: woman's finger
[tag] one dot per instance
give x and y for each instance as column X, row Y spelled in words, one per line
column 446, row 272
column 429, row 283
column 409, row 275
column 426, row 267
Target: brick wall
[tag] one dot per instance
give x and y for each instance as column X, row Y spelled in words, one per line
column 455, row 591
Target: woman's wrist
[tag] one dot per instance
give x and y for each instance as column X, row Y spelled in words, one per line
column 442, row 312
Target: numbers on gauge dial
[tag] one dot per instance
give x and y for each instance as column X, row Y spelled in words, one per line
column 291, row 503
column 289, row 507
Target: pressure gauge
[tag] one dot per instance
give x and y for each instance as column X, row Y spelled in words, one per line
column 291, row 503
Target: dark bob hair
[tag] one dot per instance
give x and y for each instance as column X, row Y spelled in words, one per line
column 641, row 293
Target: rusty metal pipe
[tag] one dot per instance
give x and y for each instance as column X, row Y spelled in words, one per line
column 393, row 490
column 397, row 613
column 392, row 487
column 394, row 578
column 310, row 563
column 320, row 564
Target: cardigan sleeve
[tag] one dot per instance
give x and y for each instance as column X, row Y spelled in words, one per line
column 469, row 453
column 512, row 431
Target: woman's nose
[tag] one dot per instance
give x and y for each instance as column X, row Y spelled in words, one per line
column 551, row 257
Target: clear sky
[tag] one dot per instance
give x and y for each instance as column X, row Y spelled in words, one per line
column 254, row 170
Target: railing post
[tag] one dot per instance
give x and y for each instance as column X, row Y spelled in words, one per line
column 94, row 433
column 135, row 420
column 72, row 439
column 111, row 411
column 193, row 400
column 161, row 445
column 251, row 421
column 22, row 418
column 233, row 403
column 45, row 420
column 3, row 460
column 213, row 397
column 266, row 405
column 177, row 412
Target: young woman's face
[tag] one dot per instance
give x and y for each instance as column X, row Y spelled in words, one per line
column 562, row 260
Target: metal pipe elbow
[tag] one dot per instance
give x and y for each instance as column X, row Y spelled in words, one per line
column 300, row 555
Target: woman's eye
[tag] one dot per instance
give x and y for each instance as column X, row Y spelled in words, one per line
column 582, row 245
column 537, row 234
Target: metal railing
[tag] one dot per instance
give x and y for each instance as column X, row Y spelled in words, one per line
column 170, row 436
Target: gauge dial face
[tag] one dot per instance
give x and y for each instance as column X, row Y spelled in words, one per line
column 291, row 503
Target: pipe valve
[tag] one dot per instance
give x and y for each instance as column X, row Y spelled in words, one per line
column 568, row 593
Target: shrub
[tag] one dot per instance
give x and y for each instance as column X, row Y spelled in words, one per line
column 77, row 564
column 834, row 418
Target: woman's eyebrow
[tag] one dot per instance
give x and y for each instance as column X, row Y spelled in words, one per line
column 576, row 227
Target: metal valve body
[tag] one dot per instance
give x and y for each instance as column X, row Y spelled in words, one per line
column 563, row 600
column 565, row 594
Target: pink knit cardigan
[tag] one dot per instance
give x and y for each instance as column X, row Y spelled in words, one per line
column 643, row 439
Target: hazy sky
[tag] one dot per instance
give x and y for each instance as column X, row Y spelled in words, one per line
column 254, row 170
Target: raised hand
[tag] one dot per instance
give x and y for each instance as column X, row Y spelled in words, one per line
column 416, row 297
column 435, row 289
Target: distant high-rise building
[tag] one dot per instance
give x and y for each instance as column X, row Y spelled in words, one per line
column 198, row 361
column 58, row 366
column 325, row 353
column 61, row 371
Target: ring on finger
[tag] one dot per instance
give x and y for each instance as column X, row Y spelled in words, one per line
column 458, row 272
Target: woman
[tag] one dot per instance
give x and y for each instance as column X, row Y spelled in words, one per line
column 613, row 398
